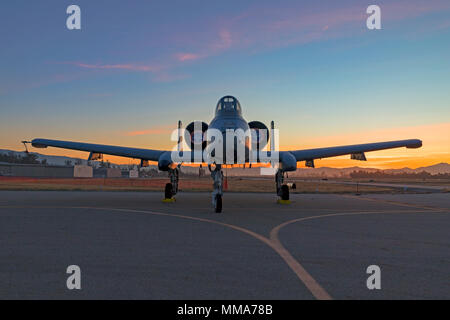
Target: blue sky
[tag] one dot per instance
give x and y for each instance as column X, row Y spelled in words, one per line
column 311, row 66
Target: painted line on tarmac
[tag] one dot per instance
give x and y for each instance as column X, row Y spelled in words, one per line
column 306, row 278
column 312, row 285
column 316, row 290
column 273, row 241
column 398, row 203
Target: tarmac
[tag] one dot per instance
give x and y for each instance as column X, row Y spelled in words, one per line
column 406, row 187
column 131, row 245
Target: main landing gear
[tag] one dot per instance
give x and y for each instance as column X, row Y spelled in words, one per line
column 171, row 188
column 217, row 175
column 282, row 189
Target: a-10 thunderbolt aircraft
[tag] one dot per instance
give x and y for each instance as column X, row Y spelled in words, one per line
column 208, row 144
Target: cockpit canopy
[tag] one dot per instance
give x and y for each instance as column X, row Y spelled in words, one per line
column 227, row 105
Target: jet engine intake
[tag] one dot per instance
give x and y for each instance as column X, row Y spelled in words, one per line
column 260, row 134
column 195, row 134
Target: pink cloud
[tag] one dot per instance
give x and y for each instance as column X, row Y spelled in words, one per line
column 187, row 56
column 263, row 27
column 131, row 67
column 224, row 42
column 267, row 26
column 219, row 43
column 157, row 130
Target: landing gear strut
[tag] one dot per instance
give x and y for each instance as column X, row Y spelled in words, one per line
column 282, row 189
column 217, row 193
column 171, row 188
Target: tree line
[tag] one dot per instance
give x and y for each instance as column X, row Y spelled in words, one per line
column 28, row 158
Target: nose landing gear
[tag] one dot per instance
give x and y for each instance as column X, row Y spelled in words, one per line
column 217, row 175
column 171, row 188
column 282, row 189
column 218, row 203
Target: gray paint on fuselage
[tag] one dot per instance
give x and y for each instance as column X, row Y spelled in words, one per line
column 228, row 115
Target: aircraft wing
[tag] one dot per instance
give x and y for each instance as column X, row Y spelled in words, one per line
column 144, row 154
column 300, row 155
column 357, row 149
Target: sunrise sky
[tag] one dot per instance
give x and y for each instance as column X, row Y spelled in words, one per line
column 137, row 67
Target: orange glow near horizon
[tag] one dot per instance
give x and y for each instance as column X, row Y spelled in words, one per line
column 435, row 149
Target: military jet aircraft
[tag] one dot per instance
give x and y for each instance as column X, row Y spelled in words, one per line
column 228, row 118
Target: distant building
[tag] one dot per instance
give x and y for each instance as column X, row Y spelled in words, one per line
column 55, row 171
column 133, row 174
column 107, row 173
column 35, row 170
column 82, row 171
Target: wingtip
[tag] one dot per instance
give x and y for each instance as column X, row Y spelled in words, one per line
column 414, row 144
column 37, row 143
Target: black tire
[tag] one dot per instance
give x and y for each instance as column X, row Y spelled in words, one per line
column 218, row 207
column 168, row 191
column 284, row 192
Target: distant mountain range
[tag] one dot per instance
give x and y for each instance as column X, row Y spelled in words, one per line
column 434, row 169
column 442, row 168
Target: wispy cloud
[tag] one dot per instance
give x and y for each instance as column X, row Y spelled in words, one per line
column 131, row 67
column 225, row 40
column 267, row 26
column 167, row 129
column 221, row 42
column 187, row 56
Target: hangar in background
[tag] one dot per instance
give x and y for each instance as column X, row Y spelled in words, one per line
column 54, row 171
column 35, row 170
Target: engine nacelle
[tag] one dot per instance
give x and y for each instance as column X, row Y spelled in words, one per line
column 196, row 134
column 259, row 130
column 287, row 161
column 165, row 161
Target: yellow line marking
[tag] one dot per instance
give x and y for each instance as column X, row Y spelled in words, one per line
column 273, row 241
column 317, row 291
column 301, row 273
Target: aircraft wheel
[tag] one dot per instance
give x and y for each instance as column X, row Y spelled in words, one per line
column 218, row 207
column 284, row 192
column 168, row 191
